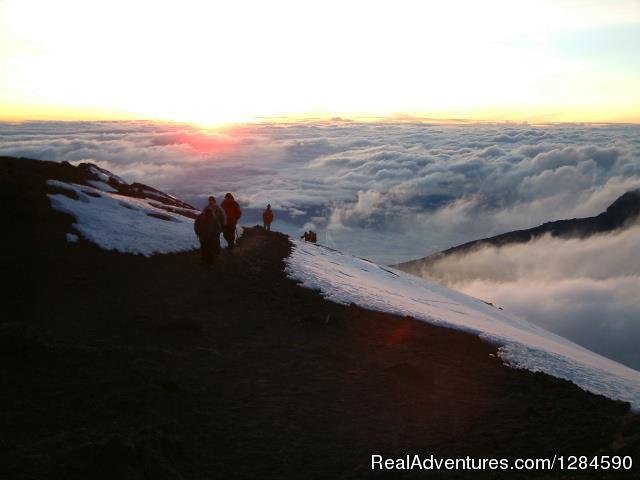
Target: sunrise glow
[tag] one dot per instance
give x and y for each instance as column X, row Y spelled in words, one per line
column 217, row 62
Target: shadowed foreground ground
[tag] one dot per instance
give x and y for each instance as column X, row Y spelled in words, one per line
column 117, row 366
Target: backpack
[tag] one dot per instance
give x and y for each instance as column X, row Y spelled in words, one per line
column 197, row 225
column 232, row 210
column 220, row 216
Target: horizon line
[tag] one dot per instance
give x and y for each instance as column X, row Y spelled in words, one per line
column 393, row 118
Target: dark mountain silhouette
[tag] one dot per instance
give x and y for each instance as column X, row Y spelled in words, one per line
column 624, row 211
column 123, row 366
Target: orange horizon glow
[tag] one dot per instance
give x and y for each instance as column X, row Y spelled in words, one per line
column 100, row 115
column 544, row 61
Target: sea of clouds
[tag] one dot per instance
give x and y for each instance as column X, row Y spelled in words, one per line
column 391, row 191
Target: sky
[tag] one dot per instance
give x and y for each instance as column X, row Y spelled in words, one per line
column 222, row 62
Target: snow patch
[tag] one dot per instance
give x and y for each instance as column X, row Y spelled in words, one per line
column 72, row 238
column 346, row 279
column 124, row 224
column 101, row 175
column 100, row 185
column 62, row 185
column 184, row 211
column 105, row 175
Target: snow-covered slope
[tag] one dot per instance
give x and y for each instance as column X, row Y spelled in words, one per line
column 127, row 224
column 347, row 279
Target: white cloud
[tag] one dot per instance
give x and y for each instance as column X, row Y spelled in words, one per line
column 586, row 290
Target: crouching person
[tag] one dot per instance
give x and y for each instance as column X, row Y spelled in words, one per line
column 310, row 236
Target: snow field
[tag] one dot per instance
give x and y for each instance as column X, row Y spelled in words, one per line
column 346, row 279
column 121, row 223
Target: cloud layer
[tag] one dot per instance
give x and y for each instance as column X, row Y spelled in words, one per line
column 585, row 290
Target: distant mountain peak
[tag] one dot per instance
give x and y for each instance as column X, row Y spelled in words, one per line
column 627, row 204
column 620, row 214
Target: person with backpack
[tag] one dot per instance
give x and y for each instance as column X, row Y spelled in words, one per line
column 233, row 214
column 267, row 217
column 208, row 226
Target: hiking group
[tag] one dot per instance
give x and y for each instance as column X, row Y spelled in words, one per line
column 223, row 218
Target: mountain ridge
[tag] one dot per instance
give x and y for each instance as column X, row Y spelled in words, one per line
column 623, row 211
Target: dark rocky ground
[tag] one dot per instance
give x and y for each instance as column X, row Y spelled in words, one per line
column 116, row 366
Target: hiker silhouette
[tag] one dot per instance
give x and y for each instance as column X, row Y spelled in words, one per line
column 208, row 226
column 267, row 217
column 233, row 213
